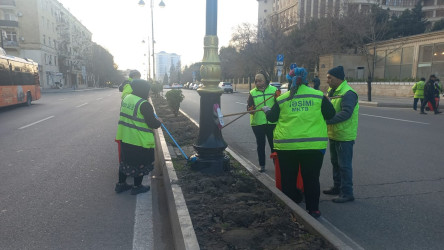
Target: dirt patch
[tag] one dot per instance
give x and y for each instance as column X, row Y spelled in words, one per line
column 233, row 210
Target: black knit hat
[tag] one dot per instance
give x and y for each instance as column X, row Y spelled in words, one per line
column 141, row 88
column 337, row 72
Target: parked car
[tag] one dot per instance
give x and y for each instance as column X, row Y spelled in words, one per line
column 276, row 84
column 226, row 86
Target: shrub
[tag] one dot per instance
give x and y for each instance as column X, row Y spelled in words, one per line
column 156, row 89
column 174, row 98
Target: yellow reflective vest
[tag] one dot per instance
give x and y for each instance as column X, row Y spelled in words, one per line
column 300, row 125
column 259, row 118
column 418, row 89
column 132, row 128
column 346, row 130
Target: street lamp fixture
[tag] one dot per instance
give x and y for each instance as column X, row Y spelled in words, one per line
column 161, row 4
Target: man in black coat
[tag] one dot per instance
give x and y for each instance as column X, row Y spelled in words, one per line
column 429, row 95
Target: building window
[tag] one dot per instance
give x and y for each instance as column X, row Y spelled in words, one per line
column 44, row 39
column 46, row 59
column 11, row 36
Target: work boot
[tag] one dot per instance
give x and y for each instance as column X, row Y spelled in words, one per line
column 139, row 189
column 315, row 214
column 343, row 199
column 122, row 187
column 438, row 112
column 332, row 191
column 262, row 169
column 423, row 113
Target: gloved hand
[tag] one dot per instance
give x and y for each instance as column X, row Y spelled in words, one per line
column 266, row 109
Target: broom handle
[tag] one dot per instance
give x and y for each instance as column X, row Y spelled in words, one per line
column 250, row 111
column 244, row 113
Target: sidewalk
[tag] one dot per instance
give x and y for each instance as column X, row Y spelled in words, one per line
column 65, row 90
column 389, row 101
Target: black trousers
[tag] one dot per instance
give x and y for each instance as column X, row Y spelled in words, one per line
column 260, row 132
column 415, row 102
column 311, row 163
column 432, row 101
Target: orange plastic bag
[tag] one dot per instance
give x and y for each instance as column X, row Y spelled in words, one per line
column 277, row 172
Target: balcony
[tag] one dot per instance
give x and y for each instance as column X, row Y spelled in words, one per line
column 10, row 44
column 7, row 2
column 8, row 23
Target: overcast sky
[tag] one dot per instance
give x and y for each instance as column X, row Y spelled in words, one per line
column 121, row 25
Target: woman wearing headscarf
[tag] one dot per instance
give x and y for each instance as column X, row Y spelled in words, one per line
column 261, row 127
column 135, row 132
column 300, row 138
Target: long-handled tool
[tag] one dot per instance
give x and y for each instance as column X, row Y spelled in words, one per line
column 221, row 116
column 168, row 132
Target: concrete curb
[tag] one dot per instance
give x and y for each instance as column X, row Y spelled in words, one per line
column 180, row 220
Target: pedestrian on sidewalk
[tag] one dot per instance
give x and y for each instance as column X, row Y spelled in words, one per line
column 429, row 95
column 418, row 91
column 342, row 132
column 262, row 129
column 300, row 138
column 135, row 133
column 316, row 82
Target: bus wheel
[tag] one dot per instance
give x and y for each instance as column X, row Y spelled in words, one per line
column 28, row 99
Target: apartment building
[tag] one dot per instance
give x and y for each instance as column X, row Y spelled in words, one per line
column 290, row 13
column 44, row 31
column 164, row 61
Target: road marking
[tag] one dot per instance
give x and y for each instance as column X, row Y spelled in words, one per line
column 100, row 98
column 62, row 99
column 81, row 105
column 29, row 125
column 143, row 237
column 241, row 103
column 383, row 117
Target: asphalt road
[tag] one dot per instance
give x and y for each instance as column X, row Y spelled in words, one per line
column 398, row 175
column 58, row 169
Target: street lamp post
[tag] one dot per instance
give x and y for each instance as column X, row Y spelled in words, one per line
column 161, row 4
column 148, row 76
column 210, row 144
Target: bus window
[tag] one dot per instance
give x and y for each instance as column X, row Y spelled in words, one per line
column 4, row 72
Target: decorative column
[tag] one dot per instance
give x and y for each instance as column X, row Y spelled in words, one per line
column 210, row 144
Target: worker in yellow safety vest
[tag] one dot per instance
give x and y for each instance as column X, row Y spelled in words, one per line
column 262, row 95
column 135, row 134
column 300, row 138
column 342, row 132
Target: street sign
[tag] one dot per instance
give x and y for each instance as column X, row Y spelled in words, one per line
column 280, row 58
column 279, row 63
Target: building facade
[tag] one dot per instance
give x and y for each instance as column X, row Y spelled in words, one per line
column 164, row 61
column 291, row 13
column 47, row 33
column 398, row 63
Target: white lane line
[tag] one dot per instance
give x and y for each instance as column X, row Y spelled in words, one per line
column 100, row 98
column 143, row 237
column 62, row 99
column 29, row 125
column 383, row 117
column 241, row 103
column 81, row 105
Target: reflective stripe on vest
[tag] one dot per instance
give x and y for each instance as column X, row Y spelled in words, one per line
column 348, row 129
column 259, row 118
column 301, row 124
column 132, row 128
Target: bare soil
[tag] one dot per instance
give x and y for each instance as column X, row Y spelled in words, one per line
column 232, row 210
